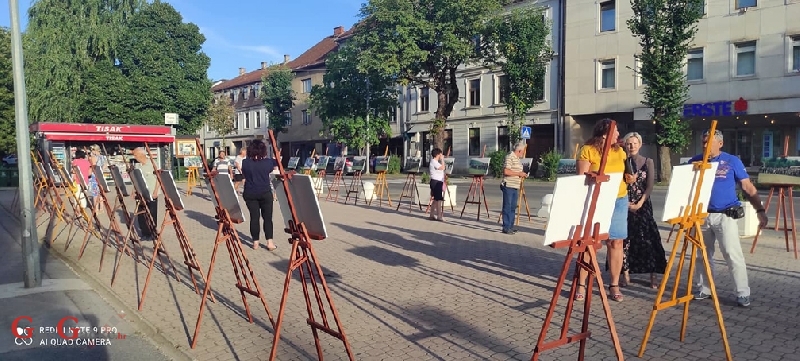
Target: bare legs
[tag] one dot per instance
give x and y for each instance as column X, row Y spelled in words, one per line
column 615, row 254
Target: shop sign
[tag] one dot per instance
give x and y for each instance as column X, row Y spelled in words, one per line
column 715, row 109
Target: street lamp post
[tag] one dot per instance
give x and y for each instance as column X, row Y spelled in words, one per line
column 366, row 135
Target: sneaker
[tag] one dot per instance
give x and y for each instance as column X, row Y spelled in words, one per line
column 743, row 301
column 509, row 231
column 701, row 296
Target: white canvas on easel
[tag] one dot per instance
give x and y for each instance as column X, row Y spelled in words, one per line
column 680, row 193
column 568, row 194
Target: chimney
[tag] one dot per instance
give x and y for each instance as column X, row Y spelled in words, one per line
column 241, row 71
column 263, row 65
column 285, row 59
column 338, row 31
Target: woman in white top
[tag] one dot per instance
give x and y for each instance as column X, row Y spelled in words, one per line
column 437, row 184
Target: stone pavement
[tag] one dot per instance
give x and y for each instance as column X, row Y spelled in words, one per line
column 410, row 289
column 62, row 294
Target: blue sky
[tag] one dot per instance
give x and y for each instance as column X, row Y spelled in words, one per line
column 244, row 33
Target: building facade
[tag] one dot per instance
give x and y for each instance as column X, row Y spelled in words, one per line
column 743, row 70
column 478, row 124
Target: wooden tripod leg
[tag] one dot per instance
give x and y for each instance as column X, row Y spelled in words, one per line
column 784, row 199
column 419, row 200
column 207, row 289
column 282, row 308
column 759, row 229
column 717, row 309
column 792, row 220
column 124, row 249
column 485, row 203
column 609, row 318
column 470, row 193
column 540, row 343
column 778, row 209
column 158, row 252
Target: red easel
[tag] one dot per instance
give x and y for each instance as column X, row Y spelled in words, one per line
column 304, row 259
column 784, row 196
column 227, row 234
column 585, row 243
column 336, row 184
column 476, row 190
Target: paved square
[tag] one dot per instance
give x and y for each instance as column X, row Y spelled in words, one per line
column 407, row 288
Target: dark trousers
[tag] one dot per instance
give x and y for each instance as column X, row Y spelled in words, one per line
column 510, row 197
column 260, row 206
column 142, row 218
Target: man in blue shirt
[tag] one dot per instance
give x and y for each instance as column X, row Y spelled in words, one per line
column 724, row 208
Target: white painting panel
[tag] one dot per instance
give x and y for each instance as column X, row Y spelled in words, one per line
column 682, row 185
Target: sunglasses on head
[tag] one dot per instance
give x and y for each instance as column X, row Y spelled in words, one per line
column 716, row 132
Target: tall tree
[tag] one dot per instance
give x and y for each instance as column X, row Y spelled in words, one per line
column 278, row 96
column 161, row 57
column 220, row 117
column 423, row 43
column 63, row 42
column 665, row 29
column 347, row 95
column 517, row 42
column 8, row 143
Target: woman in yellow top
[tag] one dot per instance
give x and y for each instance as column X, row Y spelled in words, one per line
column 589, row 161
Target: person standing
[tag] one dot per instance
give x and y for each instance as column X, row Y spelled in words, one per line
column 644, row 252
column 513, row 177
column 222, row 164
column 436, row 169
column 257, row 194
column 588, row 160
column 79, row 161
column 724, row 208
column 142, row 159
column 238, row 177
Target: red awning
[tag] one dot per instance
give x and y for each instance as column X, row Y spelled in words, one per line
column 96, row 137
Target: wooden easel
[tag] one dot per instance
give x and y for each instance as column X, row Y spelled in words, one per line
column 80, row 219
column 57, row 206
column 119, row 203
column 39, row 183
column 521, row 198
column 381, row 186
column 307, row 171
column 409, row 188
column 689, row 233
column 336, row 184
column 192, row 179
column 113, row 224
column 304, row 259
column 227, row 234
column 586, row 240
column 171, row 217
column 319, row 182
column 785, row 196
column 477, row 193
column 356, row 184
column 446, row 189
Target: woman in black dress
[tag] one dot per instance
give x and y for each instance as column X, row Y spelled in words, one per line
column 644, row 252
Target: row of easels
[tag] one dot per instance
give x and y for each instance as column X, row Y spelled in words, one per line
column 785, row 208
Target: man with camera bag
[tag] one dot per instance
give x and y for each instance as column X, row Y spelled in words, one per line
column 724, row 209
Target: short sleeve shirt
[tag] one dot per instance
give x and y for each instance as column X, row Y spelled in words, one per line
column 512, row 163
column 237, row 164
column 436, row 173
column 730, row 171
column 614, row 164
column 222, row 165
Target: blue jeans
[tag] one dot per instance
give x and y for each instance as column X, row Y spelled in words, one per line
column 510, row 197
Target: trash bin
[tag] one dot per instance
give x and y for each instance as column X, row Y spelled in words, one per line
column 369, row 191
column 450, row 196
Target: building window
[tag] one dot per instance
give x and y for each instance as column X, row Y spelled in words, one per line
column 503, row 139
column 306, row 117
column 608, row 74
column 746, row 58
column 475, row 142
column 448, row 142
column 288, row 117
column 307, row 85
column 258, row 119
column 475, row 93
column 796, row 54
column 640, row 80
column 502, row 89
column 694, row 64
column 236, row 121
column 247, row 120
column 393, row 114
column 608, row 16
column 424, row 100
column 746, row 4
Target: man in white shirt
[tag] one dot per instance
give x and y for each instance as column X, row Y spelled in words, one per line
column 436, row 170
column 238, row 177
column 222, row 164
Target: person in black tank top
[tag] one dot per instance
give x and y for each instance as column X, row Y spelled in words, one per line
column 257, row 193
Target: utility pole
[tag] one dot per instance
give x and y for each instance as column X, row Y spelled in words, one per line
column 31, row 273
column 366, row 135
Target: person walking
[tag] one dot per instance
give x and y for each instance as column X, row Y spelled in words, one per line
column 724, row 208
column 513, row 177
column 436, row 169
column 257, row 194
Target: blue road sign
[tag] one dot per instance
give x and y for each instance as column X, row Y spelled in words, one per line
column 525, row 132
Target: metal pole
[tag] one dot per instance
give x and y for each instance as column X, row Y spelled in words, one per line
column 367, row 134
column 31, row 273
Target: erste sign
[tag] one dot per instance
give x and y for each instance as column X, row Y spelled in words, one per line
column 715, row 109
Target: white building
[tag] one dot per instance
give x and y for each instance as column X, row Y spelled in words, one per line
column 743, row 70
column 479, row 119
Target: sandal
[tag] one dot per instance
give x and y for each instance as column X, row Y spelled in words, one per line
column 653, row 284
column 580, row 296
column 615, row 296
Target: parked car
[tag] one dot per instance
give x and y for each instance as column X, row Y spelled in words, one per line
column 10, row 159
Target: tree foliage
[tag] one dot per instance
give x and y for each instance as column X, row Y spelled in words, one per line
column 517, row 42
column 665, row 30
column 8, row 143
column 423, row 43
column 63, row 42
column 220, row 117
column 347, row 95
column 278, row 96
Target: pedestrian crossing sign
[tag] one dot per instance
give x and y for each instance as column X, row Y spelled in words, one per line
column 525, row 132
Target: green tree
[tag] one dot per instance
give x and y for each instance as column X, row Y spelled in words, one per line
column 278, row 96
column 8, row 143
column 665, row 29
column 220, row 117
column 161, row 57
column 341, row 101
column 517, row 42
column 423, row 43
column 63, row 42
